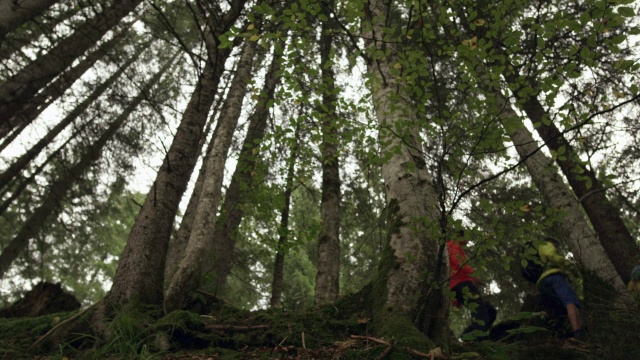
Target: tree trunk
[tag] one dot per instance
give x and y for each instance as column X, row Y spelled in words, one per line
column 31, row 110
column 58, row 190
column 19, row 164
column 242, row 180
column 411, row 265
column 177, row 247
column 16, row 190
column 614, row 236
column 14, row 13
column 139, row 277
column 327, row 280
column 200, row 247
column 582, row 240
column 20, row 88
column 14, row 42
column 278, row 264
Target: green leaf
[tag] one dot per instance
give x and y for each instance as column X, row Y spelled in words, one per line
column 626, row 11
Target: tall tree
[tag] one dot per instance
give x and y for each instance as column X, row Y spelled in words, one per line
column 201, row 247
column 53, row 91
column 58, row 190
column 583, row 241
column 21, row 162
column 283, row 229
column 327, row 279
column 21, row 87
column 411, row 267
column 242, row 181
column 14, row 13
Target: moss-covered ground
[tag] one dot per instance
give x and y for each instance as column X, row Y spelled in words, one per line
column 340, row 331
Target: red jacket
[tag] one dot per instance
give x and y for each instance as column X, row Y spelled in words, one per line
column 460, row 271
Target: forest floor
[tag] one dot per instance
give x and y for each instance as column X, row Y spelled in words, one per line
column 214, row 330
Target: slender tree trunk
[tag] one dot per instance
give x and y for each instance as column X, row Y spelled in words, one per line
column 14, row 13
column 614, row 236
column 52, row 92
column 582, row 240
column 200, row 247
column 283, row 238
column 19, row 164
column 327, row 280
column 10, row 44
column 19, row 89
column 180, row 241
column 61, row 187
column 242, row 180
column 411, row 266
column 19, row 185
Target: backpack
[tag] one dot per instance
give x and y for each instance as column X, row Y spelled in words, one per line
column 531, row 266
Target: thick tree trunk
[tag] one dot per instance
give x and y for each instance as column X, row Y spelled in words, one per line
column 242, row 180
column 327, row 280
column 14, row 13
column 20, row 88
column 614, row 236
column 200, row 247
column 19, row 164
column 582, row 240
column 139, row 277
column 58, row 190
column 411, row 265
column 52, row 92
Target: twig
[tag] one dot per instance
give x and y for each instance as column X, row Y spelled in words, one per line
column 237, row 327
column 370, row 338
column 386, row 351
column 65, row 321
column 304, row 346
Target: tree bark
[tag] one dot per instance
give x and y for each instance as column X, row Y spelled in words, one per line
column 242, row 180
column 20, row 88
column 52, row 92
column 139, row 277
column 278, row 264
column 411, row 265
column 18, row 186
column 200, row 247
column 14, row 13
column 19, row 164
column 10, row 44
column 583, row 242
column 614, row 236
column 327, row 280
column 187, row 276
column 58, row 190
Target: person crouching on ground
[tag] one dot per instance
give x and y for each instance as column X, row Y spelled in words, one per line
column 463, row 284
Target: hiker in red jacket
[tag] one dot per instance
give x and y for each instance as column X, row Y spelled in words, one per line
column 463, row 284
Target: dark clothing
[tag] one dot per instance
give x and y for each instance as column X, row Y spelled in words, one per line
column 483, row 314
column 556, row 293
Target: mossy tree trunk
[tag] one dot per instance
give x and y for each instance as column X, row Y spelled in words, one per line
column 410, row 267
